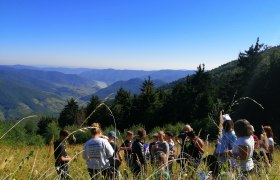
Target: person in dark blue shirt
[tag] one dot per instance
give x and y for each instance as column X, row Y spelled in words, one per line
column 61, row 156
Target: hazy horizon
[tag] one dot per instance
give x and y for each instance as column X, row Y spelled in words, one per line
column 99, row 68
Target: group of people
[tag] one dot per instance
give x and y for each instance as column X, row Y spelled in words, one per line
column 240, row 147
column 237, row 146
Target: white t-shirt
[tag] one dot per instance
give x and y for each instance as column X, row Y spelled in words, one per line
column 270, row 143
column 96, row 152
column 248, row 141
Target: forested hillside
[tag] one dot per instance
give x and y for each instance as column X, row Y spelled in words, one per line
column 26, row 91
column 245, row 88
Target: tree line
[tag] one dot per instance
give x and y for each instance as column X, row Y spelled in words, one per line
column 196, row 99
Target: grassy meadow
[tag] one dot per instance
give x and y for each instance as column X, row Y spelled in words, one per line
column 37, row 162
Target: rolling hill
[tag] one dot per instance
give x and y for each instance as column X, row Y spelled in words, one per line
column 132, row 85
column 25, row 91
column 111, row 76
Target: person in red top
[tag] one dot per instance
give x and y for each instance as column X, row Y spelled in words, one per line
column 257, row 145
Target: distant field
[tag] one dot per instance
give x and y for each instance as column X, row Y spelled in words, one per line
column 33, row 163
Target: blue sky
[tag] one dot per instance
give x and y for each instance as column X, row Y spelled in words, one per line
column 133, row 34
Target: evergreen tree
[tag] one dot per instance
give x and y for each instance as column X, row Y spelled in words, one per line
column 122, row 108
column 95, row 112
column 250, row 58
column 69, row 114
column 43, row 124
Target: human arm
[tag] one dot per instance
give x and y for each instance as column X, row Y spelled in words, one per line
column 65, row 158
column 271, row 145
column 243, row 153
column 200, row 145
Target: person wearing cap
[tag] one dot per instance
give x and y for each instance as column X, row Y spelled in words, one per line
column 227, row 141
column 127, row 147
column 112, row 137
column 168, row 137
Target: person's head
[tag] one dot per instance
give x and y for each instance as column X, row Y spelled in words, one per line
column 155, row 137
column 141, row 133
column 112, row 136
column 129, row 135
column 63, row 134
column 161, row 159
column 252, row 129
column 188, row 128
column 228, row 125
column 242, row 128
column 161, row 136
column 268, row 131
column 168, row 135
column 95, row 129
column 191, row 135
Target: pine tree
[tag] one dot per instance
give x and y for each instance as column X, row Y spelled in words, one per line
column 69, row 114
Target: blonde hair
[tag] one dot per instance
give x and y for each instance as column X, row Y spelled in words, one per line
column 160, row 133
column 95, row 129
column 161, row 158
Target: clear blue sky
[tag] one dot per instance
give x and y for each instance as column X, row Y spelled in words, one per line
column 134, row 34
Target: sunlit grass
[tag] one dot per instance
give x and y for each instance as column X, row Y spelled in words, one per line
column 32, row 162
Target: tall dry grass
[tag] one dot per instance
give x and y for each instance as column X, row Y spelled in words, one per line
column 33, row 163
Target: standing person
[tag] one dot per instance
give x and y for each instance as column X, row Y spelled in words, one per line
column 60, row 155
column 127, row 147
column 227, row 141
column 162, row 145
column 183, row 136
column 171, row 157
column 267, row 143
column 138, row 153
column 151, row 146
column 244, row 147
column 194, row 149
column 98, row 154
column 161, row 163
column 256, row 145
column 117, row 157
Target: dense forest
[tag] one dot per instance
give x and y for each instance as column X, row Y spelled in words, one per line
column 245, row 88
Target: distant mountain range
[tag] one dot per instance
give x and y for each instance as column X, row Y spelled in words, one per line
column 111, row 76
column 132, row 85
column 26, row 90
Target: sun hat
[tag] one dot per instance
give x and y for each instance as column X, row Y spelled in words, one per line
column 226, row 117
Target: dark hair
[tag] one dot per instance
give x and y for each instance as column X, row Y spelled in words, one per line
column 168, row 133
column 242, row 128
column 268, row 131
column 141, row 132
column 191, row 134
column 228, row 125
column 95, row 129
column 64, row 133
